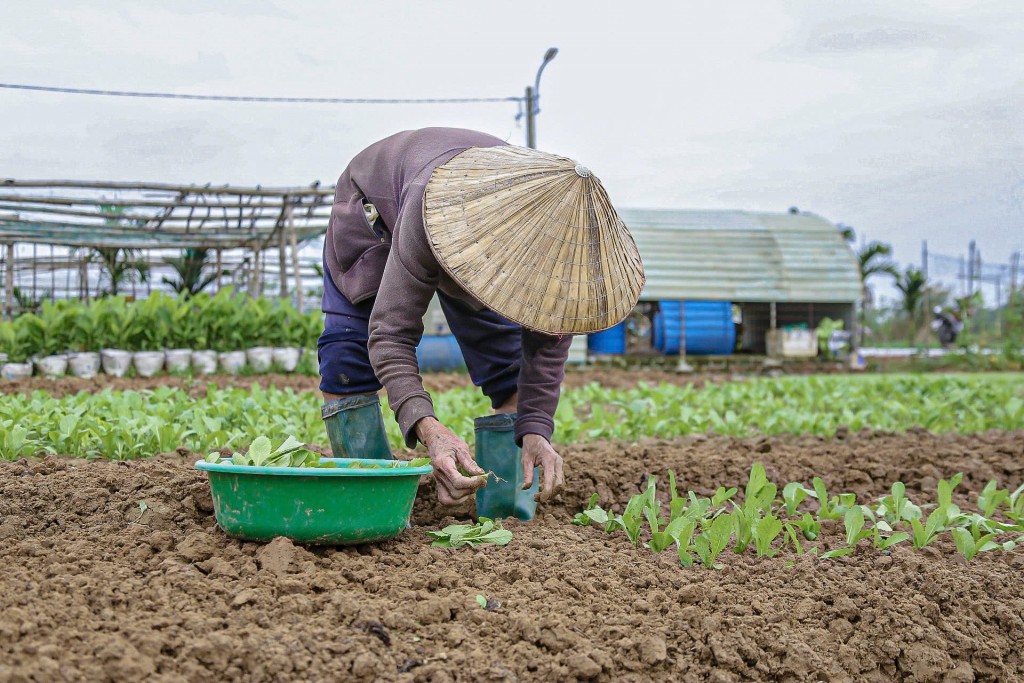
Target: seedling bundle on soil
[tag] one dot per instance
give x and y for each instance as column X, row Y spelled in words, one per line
column 459, row 535
column 702, row 528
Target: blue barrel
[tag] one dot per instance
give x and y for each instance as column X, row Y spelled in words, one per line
column 439, row 352
column 668, row 323
column 609, row 342
column 710, row 330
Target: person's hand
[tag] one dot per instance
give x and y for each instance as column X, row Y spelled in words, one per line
column 537, row 452
column 447, row 453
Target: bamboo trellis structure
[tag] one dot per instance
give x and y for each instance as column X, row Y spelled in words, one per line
column 161, row 216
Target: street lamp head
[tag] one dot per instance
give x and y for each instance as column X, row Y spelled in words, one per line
column 548, row 56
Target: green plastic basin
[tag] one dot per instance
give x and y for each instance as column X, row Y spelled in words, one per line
column 324, row 506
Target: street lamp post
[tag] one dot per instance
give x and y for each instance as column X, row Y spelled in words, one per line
column 533, row 100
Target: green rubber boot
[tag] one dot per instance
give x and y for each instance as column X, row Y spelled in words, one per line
column 496, row 451
column 355, row 426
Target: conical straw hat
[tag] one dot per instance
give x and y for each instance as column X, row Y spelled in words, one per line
column 534, row 237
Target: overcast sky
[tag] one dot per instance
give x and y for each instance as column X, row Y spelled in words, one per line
column 903, row 120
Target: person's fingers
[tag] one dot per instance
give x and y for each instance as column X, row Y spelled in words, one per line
column 553, row 478
column 548, row 477
column 467, row 462
column 446, row 497
column 449, row 496
column 458, row 486
column 528, row 466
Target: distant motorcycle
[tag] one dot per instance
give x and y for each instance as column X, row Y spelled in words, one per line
column 946, row 325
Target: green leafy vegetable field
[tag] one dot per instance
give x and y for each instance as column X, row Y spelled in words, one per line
column 122, row 425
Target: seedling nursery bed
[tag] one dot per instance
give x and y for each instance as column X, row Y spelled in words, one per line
column 117, row 571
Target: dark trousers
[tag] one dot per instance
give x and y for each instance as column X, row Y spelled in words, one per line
column 490, row 344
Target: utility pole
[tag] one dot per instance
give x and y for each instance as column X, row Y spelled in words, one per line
column 533, row 100
column 1014, row 265
column 531, row 131
column 970, row 267
column 927, row 284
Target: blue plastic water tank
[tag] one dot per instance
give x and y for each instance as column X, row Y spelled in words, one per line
column 439, row 352
column 709, row 327
column 610, row 341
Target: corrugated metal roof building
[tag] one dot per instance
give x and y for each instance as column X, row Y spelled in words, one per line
column 782, row 269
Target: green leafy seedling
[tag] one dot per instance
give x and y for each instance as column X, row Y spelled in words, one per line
column 698, row 506
column 760, row 493
column 765, row 532
column 684, row 543
column 946, row 489
column 854, row 521
column 632, row 517
column 676, row 503
column 722, row 496
column 992, row 498
column 923, row 534
column 593, row 513
column 969, row 547
column 838, row 552
column 713, row 540
column 809, row 527
column 793, row 494
column 821, row 493
column 459, row 535
column 793, row 536
column 679, row 528
column 743, row 526
column 1015, row 507
column 881, row 542
column 896, row 507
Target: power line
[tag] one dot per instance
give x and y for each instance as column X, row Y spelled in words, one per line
column 246, row 98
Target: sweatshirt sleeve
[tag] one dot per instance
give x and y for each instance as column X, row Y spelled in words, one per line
column 396, row 324
column 540, row 382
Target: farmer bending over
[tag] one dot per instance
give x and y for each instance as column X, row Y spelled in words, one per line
column 523, row 250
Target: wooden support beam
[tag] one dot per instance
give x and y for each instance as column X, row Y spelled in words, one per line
column 282, row 263
column 83, row 277
column 220, row 268
column 314, row 189
column 9, row 282
column 295, row 265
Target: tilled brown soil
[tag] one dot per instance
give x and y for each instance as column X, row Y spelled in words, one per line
column 96, row 588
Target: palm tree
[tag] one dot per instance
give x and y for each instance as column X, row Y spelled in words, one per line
column 121, row 266
column 913, row 285
column 189, row 267
column 874, row 260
